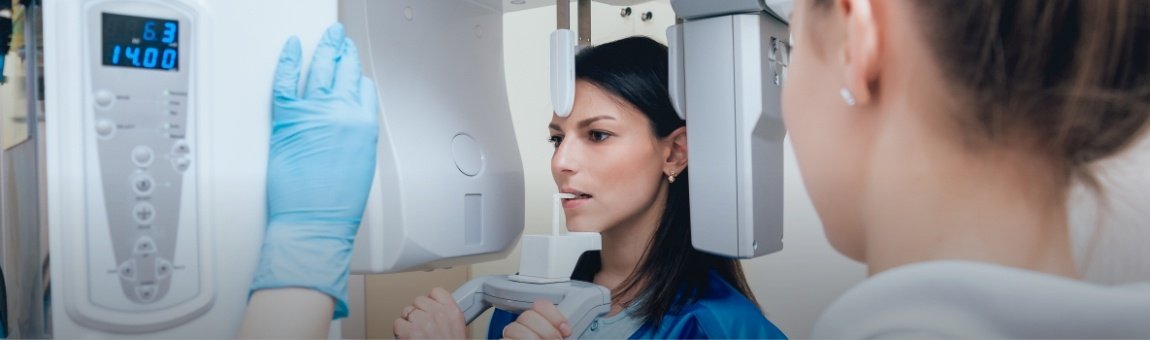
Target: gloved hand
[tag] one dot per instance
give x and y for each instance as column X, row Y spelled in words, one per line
column 320, row 168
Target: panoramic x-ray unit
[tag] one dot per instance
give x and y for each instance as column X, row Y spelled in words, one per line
column 149, row 183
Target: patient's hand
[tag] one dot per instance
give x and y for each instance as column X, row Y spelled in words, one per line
column 435, row 316
column 542, row 321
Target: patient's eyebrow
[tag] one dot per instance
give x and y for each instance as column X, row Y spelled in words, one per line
column 582, row 124
column 588, row 121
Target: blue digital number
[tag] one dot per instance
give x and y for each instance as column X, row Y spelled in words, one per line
column 133, row 53
column 116, row 55
column 169, row 32
column 151, row 55
column 169, row 60
column 149, row 31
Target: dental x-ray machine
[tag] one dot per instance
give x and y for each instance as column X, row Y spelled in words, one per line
column 157, row 116
column 727, row 63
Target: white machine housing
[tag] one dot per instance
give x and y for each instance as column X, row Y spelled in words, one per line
column 156, row 177
column 727, row 65
column 448, row 188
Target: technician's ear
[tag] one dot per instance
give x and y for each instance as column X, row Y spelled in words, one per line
column 676, row 154
column 860, row 53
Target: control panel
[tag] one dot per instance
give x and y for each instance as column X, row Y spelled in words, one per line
column 140, row 114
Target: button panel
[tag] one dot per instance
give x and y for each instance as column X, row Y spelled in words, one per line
column 143, row 125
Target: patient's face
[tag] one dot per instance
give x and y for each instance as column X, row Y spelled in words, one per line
column 606, row 154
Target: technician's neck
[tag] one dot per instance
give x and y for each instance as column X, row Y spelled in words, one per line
column 1002, row 209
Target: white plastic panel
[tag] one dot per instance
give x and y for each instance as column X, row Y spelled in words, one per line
column 438, row 66
column 218, row 145
column 732, row 105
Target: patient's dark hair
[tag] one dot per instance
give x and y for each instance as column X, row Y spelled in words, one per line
column 671, row 273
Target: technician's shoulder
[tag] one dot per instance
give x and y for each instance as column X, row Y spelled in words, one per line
column 954, row 299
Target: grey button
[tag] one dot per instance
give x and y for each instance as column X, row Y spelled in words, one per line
column 146, row 293
column 142, row 184
column 104, row 99
column 181, row 148
column 144, row 246
column 181, row 163
column 143, row 213
column 142, row 155
column 105, row 128
column 163, row 269
column 595, row 326
column 128, row 270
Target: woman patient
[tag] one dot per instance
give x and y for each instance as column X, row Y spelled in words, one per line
column 623, row 153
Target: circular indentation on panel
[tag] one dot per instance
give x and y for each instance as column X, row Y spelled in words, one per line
column 181, row 148
column 181, row 164
column 468, row 154
column 408, row 13
column 127, row 270
column 143, row 184
column 104, row 99
column 143, row 213
column 163, row 269
column 479, row 31
column 146, row 293
column 144, row 245
column 142, row 155
column 105, row 128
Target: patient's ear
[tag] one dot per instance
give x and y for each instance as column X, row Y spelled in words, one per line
column 676, row 152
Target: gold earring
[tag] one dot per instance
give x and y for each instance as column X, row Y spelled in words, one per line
column 671, row 177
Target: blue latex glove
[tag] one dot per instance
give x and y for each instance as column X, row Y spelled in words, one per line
column 320, row 168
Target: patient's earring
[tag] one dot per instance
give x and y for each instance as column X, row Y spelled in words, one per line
column 671, row 177
column 847, row 96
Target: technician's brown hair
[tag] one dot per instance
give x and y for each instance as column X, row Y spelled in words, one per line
column 1068, row 79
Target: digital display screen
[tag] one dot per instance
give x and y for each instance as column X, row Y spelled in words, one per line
column 139, row 42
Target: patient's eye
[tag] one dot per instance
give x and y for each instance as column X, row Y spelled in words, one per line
column 598, row 136
column 555, row 140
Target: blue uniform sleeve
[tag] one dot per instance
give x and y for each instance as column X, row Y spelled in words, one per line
column 723, row 314
column 499, row 319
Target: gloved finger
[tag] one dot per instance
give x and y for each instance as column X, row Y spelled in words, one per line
column 322, row 69
column 347, row 71
column 286, row 83
column 369, row 98
column 538, row 325
column 552, row 314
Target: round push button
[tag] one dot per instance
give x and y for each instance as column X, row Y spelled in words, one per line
column 142, row 184
column 468, row 154
column 181, row 148
column 181, row 164
column 143, row 213
column 146, row 292
column 144, row 245
column 142, row 155
column 104, row 99
column 105, row 128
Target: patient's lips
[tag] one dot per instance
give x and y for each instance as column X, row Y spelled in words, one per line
column 579, row 200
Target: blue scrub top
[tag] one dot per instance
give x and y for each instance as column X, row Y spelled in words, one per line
column 723, row 313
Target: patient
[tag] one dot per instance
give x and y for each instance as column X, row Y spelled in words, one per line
column 623, row 153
